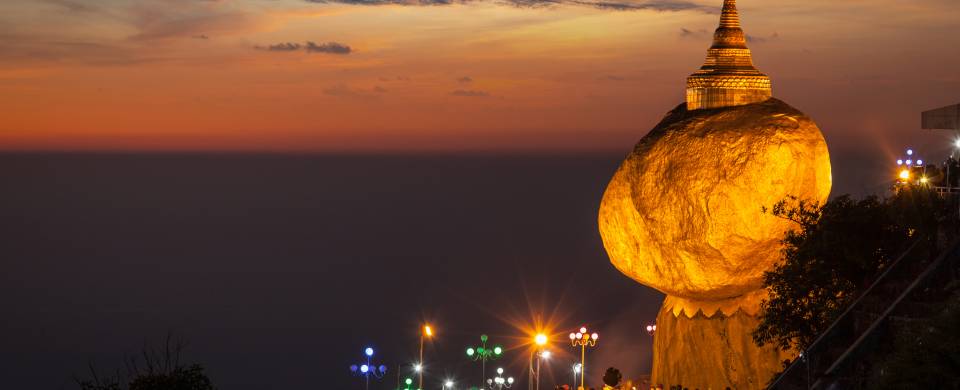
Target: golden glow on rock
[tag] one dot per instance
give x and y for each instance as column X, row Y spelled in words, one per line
column 728, row 77
column 684, row 212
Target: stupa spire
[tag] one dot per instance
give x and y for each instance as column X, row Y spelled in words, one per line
column 727, row 77
column 729, row 18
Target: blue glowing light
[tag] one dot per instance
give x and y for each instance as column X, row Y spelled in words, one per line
column 368, row 351
column 364, row 368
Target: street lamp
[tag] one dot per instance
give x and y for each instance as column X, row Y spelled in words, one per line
column 651, row 329
column 482, row 353
column 499, row 382
column 583, row 340
column 426, row 332
column 576, row 371
column 368, row 369
column 448, row 384
column 540, row 340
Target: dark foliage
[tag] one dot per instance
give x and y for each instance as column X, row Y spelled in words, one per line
column 926, row 358
column 612, row 377
column 837, row 250
column 155, row 369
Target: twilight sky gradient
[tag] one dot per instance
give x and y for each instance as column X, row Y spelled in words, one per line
column 397, row 75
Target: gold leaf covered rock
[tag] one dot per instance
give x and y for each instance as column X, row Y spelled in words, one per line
column 683, row 213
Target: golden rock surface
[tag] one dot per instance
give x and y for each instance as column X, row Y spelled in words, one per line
column 727, row 77
column 683, row 213
column 712, row 353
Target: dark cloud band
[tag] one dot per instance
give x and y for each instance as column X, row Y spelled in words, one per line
column 624, row 5
column 309, row 47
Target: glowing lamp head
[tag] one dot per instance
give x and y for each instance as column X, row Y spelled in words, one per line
column 909, row 152
column 919, row 162
column 573, row 336
column 470, row 351
column 510, row 380
column 368, row 351
column 579, row 335
column 364, row 368
column 497, row 350
column 909, row 162
column 383, row 369
column 577, row 367
column 594, row 336
column 427, row 331
column 904, row 175
column 923, row 180
column 408, row 381
column 417, row 367
column 540, row 339
column 448, row 383
column 499, row 370
column 649, row 328
column 353, row 368
column 899, row 162
column 483, row 338
column 583, row 329
column 957, row 143
column 545, row 354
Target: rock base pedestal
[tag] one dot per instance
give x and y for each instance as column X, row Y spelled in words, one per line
column 712, row 348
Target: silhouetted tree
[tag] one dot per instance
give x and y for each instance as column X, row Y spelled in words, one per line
column 612, row 377
column 837, row 250
column 154, row 369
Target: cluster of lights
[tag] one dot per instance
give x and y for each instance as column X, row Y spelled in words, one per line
column 482, row 352
column 582, row 338
column 367, row 369
column 904, row 175
column 651, row 329
column 499, row 381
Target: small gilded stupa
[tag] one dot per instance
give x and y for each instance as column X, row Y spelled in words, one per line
column 728, row 77
column 684, row 214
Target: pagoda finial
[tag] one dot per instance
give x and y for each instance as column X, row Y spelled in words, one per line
column 729, row 18
column 727, row 77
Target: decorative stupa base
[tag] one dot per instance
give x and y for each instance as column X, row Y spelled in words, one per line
column 712, row 348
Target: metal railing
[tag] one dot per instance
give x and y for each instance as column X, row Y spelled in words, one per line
column 788, row 379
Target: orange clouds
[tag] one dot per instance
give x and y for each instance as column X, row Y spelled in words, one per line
column 178, row 74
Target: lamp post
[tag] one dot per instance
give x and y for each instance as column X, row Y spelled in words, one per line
column 905, row 168
column 540, row 340
column 576, row 371
column 481, row 353
column 499, row 382
column 583, row 340
column 368, row 369
column 426, row 332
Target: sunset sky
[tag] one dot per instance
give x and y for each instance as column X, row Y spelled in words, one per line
column 385, row 75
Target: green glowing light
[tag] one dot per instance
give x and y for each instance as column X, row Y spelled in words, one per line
column 408, row 381
column 480, row 350
column 470, row 351
column 483, row 338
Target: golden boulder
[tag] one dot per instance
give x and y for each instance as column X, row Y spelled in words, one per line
column 684, row 213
